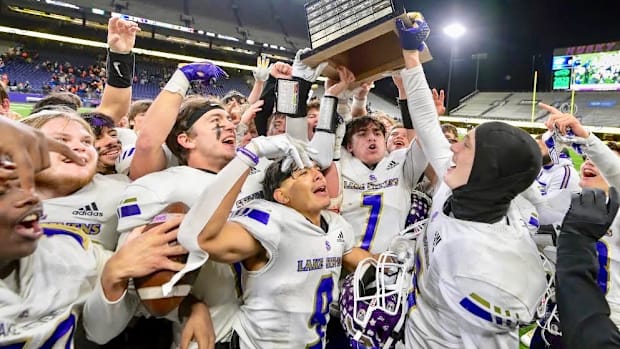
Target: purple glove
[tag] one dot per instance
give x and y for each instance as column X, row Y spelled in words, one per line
column 412, row 38
column 204, row 71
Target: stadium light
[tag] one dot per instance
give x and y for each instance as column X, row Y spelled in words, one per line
column 454, row 31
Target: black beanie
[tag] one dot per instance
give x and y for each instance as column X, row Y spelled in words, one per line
column 506, row 162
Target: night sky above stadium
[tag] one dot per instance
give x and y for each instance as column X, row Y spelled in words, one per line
column 518, row 36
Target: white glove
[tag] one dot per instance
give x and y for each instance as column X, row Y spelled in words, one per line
column 261, row 72
column 279, row 146
column 301, row 70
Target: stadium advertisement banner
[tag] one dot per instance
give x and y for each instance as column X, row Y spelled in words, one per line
column 587, row 67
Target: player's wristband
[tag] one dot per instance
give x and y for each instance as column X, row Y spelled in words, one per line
column 120, row 68
column 404, row 114
column 328, row 118
column 247, row 156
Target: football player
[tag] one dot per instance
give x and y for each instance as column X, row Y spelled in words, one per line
column 46, row 270
column 280, row 279
column 478, row 273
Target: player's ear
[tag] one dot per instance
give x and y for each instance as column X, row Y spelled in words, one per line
column 280, row 196
column 185, row 141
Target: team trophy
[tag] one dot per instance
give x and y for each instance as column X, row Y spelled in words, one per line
column 358, row 34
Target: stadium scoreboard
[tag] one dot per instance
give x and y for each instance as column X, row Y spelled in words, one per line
column 587, row 68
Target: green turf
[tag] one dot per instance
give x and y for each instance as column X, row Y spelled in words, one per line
column 24, row 109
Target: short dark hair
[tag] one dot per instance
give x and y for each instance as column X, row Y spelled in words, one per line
column 3, row 94
column 274, row 176
column 359, row 123
column 181, row 125
column 614, row 146
column 97, row 122
column 54, row 99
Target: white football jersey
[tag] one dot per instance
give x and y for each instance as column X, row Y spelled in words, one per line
column 558, row 176
column 91, row 209
column 286, row 303
column 41, row 305
column 376, row 202
column 149, row 195
column 123, row 162
column 474, row 282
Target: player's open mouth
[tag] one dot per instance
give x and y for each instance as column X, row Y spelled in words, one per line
column 229, row 140
column 113, row 151
column 28, row 225
column 399, row 143
column 588, row 173
column 372, row 146
column 69, row 161
column 321, row 189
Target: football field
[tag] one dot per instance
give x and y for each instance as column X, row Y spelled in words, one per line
column 24, row 109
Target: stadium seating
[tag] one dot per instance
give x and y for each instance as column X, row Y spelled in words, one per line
column 593, row 108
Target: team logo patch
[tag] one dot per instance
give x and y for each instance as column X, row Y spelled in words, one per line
column 327, row 245
column 372, row 177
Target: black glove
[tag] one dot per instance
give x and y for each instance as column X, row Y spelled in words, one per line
column 590, row 214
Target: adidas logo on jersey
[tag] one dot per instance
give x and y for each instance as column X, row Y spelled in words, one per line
column 391, row 165
column 90, row 210
column 340, row 237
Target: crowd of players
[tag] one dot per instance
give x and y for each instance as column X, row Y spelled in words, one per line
column 445, row 242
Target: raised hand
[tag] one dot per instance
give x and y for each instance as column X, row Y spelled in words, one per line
column 563, row 122
column 591, row 213
column 281, row 146
column 261, row 72
column 202, row 71
column 337, row 87
column 281, row 70
column 413, row 37
column 24, row 151
column 438, row 98
column 121, row 35
column 301, row 70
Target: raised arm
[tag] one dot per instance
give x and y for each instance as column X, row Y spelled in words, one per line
column 206, row 227
column 584, row 311
column 420, row 99
column 120, row 64
column 604, row 158
column 261, row 74
column 162, row 114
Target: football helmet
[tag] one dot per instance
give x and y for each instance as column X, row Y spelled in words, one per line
column 373, row 301
column 420, row 207
column 547, row 311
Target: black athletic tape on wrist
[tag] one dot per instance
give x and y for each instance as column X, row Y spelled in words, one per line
column 404, row 113
column 120, row 68
column 330, row 103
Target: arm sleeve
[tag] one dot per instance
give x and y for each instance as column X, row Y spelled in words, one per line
column 104, row 320
column 425, row 120
column 415, row 163
column 584, row 311
column 269, row 98
column 605, row 159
